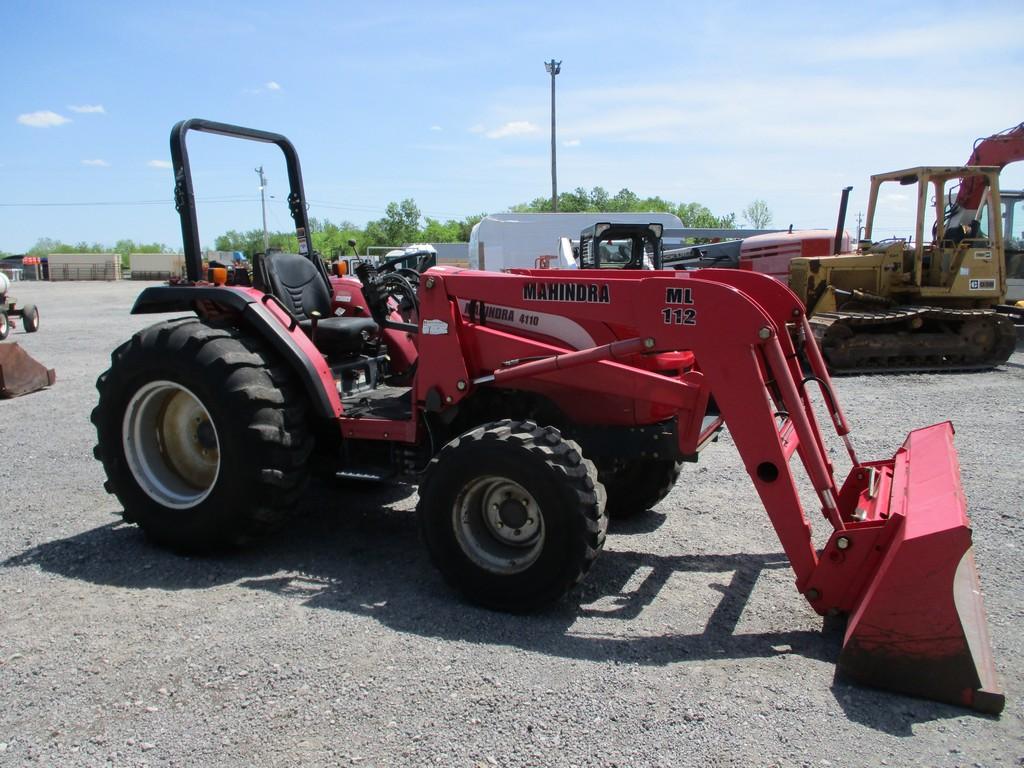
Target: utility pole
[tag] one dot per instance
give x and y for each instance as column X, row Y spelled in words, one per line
column 553, row 68
column 263, row 206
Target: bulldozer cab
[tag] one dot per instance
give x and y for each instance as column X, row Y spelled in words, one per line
column 960, row 263
column 1013, row 238
column 621, row 246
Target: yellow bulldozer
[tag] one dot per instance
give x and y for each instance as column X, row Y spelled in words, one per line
column 923, row 301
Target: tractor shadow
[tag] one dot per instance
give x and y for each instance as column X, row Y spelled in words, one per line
column 364, row 557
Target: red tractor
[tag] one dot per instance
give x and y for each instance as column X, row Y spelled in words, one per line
column 527, row 407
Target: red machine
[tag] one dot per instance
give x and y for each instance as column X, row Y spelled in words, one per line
column 526, row 405
column 770, row 254
column 998, row 150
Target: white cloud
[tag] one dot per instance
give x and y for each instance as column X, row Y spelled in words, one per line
column 915, row 42
column 159, row 164
column 96, row 163
column 717, row 114
column 86, row 109
column 435, row 127
column 477, row 128
column 270, row 85
column 514, row 128
column 571, row 143
column 42, row 119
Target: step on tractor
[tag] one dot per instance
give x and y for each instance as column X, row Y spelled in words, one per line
column 528, row 407
column 19, row 372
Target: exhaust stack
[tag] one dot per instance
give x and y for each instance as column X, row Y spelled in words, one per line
column 841, row 223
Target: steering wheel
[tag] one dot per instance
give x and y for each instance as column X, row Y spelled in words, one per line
column 402, row 289
column 389, row 292
column 409, row 274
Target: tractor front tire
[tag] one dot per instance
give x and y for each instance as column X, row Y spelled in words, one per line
column 202, row 434
column 512, row 514
column 637, row 485
column 30, row 317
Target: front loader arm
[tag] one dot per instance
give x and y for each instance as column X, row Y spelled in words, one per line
column 919, row 632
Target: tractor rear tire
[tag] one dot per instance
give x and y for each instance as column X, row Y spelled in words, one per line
column 512, row 514
column 5, row 325
column 637, row 485
column 203, row 436
column 30, row 317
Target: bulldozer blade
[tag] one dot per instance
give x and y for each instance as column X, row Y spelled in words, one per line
column 920, row 626
column 20, row 373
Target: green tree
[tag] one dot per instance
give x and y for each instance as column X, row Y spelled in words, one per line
column 757, row 214
column 331, row 239
column 126, row 246
column 251, row 241
column 47, row 245
column 466, row 227
column 401, row 224
column 627, row 201
column 624, row 200
column 576, row 201
column 537, row 205
column 437, row 231
column 697, row 215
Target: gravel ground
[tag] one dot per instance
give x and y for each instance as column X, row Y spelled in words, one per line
column 338, row 644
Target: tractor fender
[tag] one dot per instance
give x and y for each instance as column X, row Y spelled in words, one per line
column 257, row 317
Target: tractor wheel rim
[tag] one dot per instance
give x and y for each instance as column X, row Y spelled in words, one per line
column 171, row 444
column 499, row 525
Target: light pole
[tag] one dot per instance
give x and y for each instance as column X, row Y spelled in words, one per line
column 263, row 206
column 553, row 68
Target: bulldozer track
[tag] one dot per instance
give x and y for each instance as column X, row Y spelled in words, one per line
column 921, row 340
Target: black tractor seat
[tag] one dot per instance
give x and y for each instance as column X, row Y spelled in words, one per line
column 297, row 283
column 341, row 335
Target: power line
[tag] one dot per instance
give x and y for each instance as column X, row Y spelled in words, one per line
column 354, row 207
column 123, row 202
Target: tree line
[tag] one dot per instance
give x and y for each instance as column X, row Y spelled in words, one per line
column 44, row 246
column 403, row 223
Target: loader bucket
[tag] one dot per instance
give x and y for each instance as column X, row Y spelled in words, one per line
column 20, row 373
column 919, row 627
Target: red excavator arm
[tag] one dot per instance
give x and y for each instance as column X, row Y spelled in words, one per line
column 999, row 150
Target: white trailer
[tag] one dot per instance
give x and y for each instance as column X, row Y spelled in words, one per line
column 507, row 240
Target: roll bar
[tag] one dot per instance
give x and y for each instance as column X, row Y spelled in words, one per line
column 184, row 194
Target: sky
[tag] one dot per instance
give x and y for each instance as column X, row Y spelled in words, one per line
column 448, row 103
